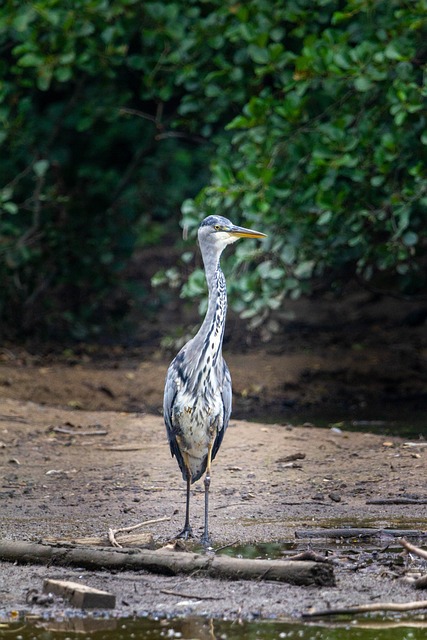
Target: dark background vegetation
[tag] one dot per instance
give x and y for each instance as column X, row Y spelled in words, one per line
column 121, row 120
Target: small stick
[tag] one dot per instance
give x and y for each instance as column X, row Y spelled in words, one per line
column 397, row 501
column 413, row 549
column 113, row 540
column 367, row 608
column 303, row 503
column 408, row 445
column 73, row 432
column 178, row 594
column 113, row 532
column 308, row 555
column 226, row 546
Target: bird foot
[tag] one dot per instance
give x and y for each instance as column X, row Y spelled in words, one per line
column 186, row 533
column 206, row 540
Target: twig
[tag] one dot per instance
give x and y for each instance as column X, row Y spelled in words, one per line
column 226, row 546
column 367, row 608
column 308, row 555
column 113, row 532
column 72, row 432
column 292, row 457
column 397, row 501
column 180, row 134
column 138, row 540
column 299, row 503
column 417, row 445
column 139, row 113
column 112, row 540
column 413, row 549
column 178, row 594
column 7, row 418
column 226, row 506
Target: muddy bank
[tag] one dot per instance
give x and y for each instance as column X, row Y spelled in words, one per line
column 83, row 448
column 359, row 358
column 108, row 469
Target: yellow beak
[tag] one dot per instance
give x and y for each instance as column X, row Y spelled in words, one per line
column 241, row 232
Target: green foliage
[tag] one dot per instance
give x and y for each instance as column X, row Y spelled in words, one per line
column 89, row 164
column 311, row 114
column 327, row 153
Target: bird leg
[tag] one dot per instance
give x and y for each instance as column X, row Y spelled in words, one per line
column 187, row 531
column 205, row 539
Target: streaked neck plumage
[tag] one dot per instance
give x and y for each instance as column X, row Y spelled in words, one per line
column 210, row 335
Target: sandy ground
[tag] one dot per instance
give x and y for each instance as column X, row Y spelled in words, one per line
column 113, row 469
column 83, row 448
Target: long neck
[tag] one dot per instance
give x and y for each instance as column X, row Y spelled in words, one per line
column 211, row 332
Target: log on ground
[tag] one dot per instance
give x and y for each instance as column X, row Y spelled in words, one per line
column 169, row 563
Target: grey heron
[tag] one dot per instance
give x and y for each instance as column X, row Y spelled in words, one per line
column 197, row 397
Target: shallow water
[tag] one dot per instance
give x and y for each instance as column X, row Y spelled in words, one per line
column 378, row 541
column 414, row 628
column 381, row 422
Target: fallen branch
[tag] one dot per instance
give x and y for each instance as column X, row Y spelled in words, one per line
column 418, row 583
column 413, row 549
column 170, row 563
column 357, row 533
column 139, row 540
column 368, row 608
column 113, row 532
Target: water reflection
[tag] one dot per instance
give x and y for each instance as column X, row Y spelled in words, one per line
column 206, row 629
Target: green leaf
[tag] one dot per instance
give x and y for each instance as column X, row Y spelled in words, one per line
column 30, row 60
column 9, row 207
column 63, row 74
column 377, row 181
column 40, row 167
column 392, row 52
column 410, row 238
column 341, row 60
column 324, row 218
column 363, row 84
column 304, row 269
column 259, row 55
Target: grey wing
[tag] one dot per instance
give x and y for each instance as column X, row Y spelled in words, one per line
column 168, row 403
column 226, row 395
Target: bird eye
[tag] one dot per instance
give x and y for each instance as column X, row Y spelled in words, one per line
column 217, row 227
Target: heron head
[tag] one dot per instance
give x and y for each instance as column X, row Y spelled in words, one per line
column 220, row 231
